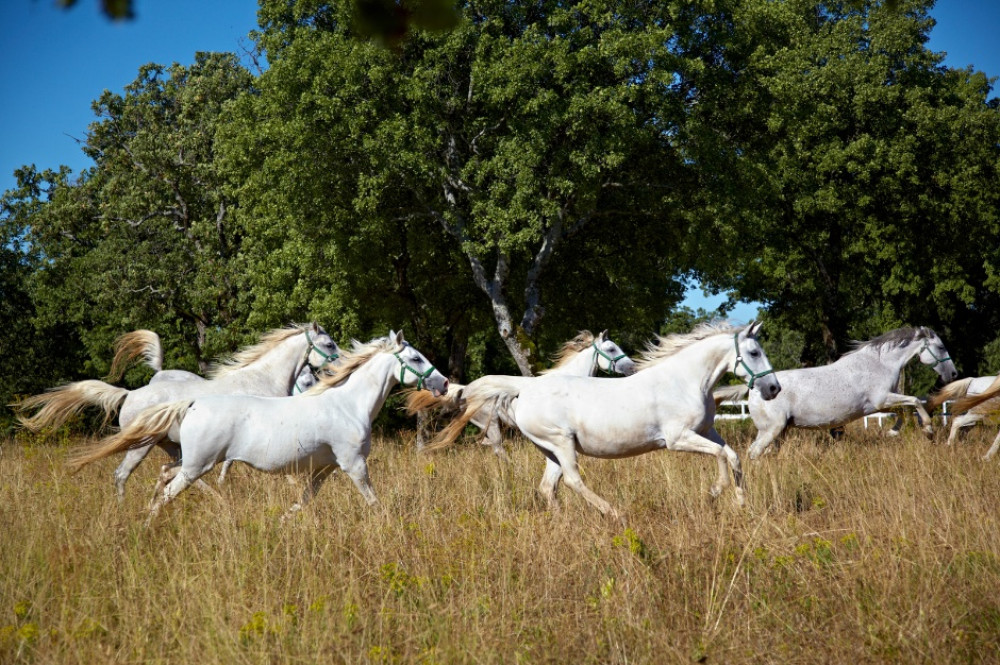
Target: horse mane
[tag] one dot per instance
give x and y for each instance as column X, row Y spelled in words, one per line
column 581, row 342
column 350, row 361
column 893, row 338
column 251, row 354
column 665, row 346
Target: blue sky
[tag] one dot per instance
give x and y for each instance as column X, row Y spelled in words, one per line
column 55, row 62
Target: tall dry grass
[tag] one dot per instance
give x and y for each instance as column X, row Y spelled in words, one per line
column 864, row 550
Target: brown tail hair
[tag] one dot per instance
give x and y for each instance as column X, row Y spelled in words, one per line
column 423, row 400
column 490, row 392
column 149, row 426
column 59, row 404
column 964, row 404
column 953, row 390
column 130, row 346
column 727, row 393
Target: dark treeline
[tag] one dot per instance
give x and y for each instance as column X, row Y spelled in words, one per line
column 536, row 169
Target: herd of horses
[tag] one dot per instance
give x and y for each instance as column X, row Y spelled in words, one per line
column 297, row 402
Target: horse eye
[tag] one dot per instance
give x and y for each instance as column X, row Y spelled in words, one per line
column 755, row 353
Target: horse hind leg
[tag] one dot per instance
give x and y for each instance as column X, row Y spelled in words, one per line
column 993, row 449
column 565, row 454
column 133, row 458
column 550, row 482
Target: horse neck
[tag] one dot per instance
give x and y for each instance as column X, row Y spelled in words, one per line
column 369, row 385
column 277, row 369
column 703, row 362
column 581, row 364
column 891, row 359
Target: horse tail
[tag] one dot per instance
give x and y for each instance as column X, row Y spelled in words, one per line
column 492, row 393
column 59, row 404
column 130, row 346
column 730, row 393
column 150, row 425
column 423, row 400
column 953, row 390
column 964, row 404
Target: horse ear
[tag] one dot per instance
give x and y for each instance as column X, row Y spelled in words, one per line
column 314, row 327
column 603, row 336
column 397, row 337
column 754, row 327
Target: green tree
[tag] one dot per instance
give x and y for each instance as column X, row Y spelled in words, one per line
column 144, row 239
column 529, row 154
column 881, row 166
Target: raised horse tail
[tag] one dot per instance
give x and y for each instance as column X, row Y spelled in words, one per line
column 964, row 404
column 490, row 393
column 130, row 346
column 59, row 404
column 953, row 390
column 150, row 425
column 422, row 400
column 730, row 393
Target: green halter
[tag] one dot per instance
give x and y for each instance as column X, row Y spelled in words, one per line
column 937, row 361
column 739, row 361
column 403, row 366
column 327, row 357
column 611, row 361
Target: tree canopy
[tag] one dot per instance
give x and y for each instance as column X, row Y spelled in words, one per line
column 533, row 170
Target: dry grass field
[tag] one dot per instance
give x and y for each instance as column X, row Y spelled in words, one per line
column 863, row 550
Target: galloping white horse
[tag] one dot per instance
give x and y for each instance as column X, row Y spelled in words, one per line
column 859, row 383
column 583, row 355
column 325, row 428
column 268, row 368
column 666, row 404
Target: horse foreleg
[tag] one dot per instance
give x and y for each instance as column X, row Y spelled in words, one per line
column 896, row 426
column 358, row 472
column 178, row 483
column 225, row 470
column 893, row 400
column 730, row 456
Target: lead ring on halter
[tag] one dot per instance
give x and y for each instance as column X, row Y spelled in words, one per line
column 327, row 357
column 403, row 366
column 740, row 361
column 611, row 361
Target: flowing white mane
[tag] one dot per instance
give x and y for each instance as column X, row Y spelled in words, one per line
column 252, row 354
column 570, row 349
column 351, row 361
column 664, row 347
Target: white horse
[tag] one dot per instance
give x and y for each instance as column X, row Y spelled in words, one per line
column 860, row 383
column 328, row 427
column 584, row 355
column 267, row 368
column 666, row 404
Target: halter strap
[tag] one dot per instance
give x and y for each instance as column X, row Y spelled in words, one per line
column 937, row 361
column 327, row 357
column 611, row 361
column 403, row 366
column 740, row 361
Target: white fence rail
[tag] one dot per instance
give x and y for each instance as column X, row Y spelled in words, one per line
column 744, row 413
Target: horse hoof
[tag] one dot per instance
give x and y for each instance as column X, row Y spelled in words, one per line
column 892, row 432
column 929, row 432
